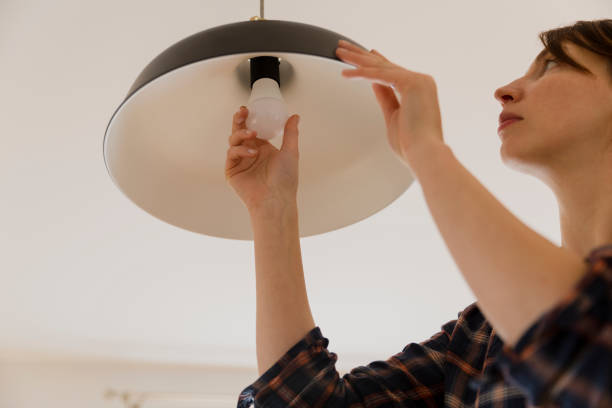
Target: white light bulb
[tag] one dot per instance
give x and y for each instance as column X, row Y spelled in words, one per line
column 268, row 112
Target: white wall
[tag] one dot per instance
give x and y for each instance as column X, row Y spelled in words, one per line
column 82, row 384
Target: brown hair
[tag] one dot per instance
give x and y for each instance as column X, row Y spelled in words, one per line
column 594, row 36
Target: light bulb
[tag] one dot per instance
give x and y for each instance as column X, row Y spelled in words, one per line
column 268, row 112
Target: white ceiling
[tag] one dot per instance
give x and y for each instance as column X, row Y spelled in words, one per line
column 83, row 271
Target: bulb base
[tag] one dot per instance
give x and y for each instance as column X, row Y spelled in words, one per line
column 265, row 67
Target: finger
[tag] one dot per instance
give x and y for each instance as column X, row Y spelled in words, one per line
column 384, row 76
column 239, row 120
column 351, row 46
column 235, row 154
column 357, row 58
column 386, row 99
column 380, row 55
column 290, row 137
column 240, row 136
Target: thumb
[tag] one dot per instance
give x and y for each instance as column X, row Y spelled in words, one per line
column 290, row 138
column 386, row 99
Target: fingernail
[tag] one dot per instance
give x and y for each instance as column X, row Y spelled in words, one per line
column 252, row 151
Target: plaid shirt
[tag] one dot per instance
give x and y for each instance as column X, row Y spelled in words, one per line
column 564, row 359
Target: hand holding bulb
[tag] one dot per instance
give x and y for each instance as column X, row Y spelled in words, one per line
column 268, row 177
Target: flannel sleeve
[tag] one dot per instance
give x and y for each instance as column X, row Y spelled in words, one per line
column 565, row 357
column 306, row 377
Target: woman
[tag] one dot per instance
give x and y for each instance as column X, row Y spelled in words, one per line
column 541, row 330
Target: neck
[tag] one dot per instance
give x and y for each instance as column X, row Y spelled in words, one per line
column 585, row 208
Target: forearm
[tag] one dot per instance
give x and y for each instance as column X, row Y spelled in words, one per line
column 515, row 273
column 283, row 312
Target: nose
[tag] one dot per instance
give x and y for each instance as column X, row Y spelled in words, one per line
column 507, row 93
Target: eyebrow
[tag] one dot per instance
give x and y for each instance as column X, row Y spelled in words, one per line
column 541, row 55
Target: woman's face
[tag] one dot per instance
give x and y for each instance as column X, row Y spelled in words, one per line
column 567, row 114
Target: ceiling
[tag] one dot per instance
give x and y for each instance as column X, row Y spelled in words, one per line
column 84, row 272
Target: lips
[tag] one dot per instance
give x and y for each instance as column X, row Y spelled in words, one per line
column 504, row 116
column 506, row 119
column 507, row 122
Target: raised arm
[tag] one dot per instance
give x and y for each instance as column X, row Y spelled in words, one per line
column 266, row 181
column 283, row 312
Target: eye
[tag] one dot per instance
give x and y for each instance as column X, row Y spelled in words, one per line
column 549, row 60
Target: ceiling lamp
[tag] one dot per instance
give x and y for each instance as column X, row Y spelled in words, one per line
column 165, row 146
